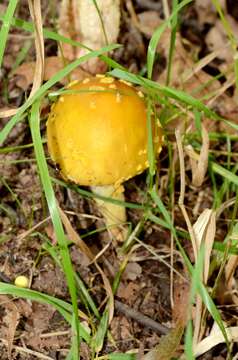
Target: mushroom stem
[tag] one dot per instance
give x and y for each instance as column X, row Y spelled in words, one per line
column 114, row 215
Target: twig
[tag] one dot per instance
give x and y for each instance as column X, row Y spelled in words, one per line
column 140, row 318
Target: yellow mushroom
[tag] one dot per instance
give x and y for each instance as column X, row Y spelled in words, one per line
column 97, row 134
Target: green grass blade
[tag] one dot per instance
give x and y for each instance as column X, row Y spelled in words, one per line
column 98, row 339
column 224, row 173
column 211, row 307
column 174, row 25
column 89, row 194
column 55, row 216
column 101, row 22
column 162, row 210
column 157, row 220
column 188, row 344
column 7, row 19
column 169, row 223
column 157, row 35
column 121, row 356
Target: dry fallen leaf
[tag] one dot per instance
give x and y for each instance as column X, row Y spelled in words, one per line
column 149, row 21
column 181, row 301
column 199, row 166
column 128, row 292
column 205, row 229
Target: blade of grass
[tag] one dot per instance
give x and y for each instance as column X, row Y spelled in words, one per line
column 98, row 338
column 118, row 356
column 211, row 307
column 58, row 227
column 174, row 24
column 224, row 173
column 7, row 19
column 91, row 195
column 188, row 345
column 101, row 21
column 157, row 35
column 162, row 209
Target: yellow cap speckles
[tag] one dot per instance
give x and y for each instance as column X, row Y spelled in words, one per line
column 139, row 168
column 100, row 76
column 85, row 81
column 142, row 152
column 72, row 83
column 61, row 99
column 118, row 97
column 158, row 123
column 140, row 93
column 107, row 80
column 112, row 86
column 125, row 82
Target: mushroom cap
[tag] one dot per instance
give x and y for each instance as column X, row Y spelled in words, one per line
column 97, row 132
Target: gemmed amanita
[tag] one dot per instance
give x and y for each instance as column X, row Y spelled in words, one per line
column 97, row 134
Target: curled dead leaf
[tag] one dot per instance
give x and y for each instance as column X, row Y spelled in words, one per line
column 199, row 165
column 204, row 230
column 216, row 337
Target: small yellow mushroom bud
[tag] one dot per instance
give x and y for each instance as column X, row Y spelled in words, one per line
column 21, row 281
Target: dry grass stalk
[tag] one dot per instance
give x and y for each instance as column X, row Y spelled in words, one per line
column 35, row 11
column 199, row 163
